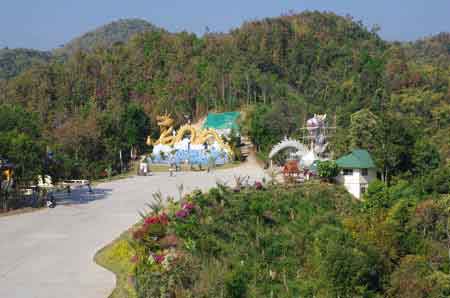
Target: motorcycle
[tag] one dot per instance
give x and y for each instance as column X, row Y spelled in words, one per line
column 51, row 202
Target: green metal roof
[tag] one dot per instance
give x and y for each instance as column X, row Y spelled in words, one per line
column 227, row 120
column 358, row 159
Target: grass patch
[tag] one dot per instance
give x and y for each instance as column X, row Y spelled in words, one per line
column 157, row 168
column 116, row 258
column 230, row 165
column 130, row 173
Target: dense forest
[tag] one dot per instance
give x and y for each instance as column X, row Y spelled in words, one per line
column 392, row 98
column 15, row 61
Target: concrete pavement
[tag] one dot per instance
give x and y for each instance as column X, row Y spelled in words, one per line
column 49, row 253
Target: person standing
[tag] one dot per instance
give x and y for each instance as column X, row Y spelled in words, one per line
column 171, row 165
column 211, row 162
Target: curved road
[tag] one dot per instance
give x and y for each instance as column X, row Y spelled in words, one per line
column 49, row 253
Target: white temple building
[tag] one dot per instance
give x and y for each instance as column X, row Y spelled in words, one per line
column 357, row 171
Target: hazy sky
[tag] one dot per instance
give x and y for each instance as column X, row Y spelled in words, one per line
column 46, row 24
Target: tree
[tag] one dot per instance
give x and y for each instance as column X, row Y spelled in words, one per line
column 425, row 157
column 437, row 181
column 136, row 126
column 415, row 279
column 377, row 197
column 364, row 130
column 257, row 128
column 345, row 269
column 21, row 142
column 16, row 118
column 444, row 204
column 269, row 124
column 397, row 138
column 327, row 169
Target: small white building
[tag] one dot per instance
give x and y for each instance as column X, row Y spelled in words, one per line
column 357, row 170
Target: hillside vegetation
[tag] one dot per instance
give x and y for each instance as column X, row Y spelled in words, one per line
column 105, row 36
column 431, row 49
column 15, row 61
column 393, row 99
column 310, row 241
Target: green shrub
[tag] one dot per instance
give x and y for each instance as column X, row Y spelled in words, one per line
column 327, row 169
column 236, row 283
column 308, row 241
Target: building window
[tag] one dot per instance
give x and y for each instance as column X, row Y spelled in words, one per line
column 365, row 172
column 363, row 188
column 348, row 172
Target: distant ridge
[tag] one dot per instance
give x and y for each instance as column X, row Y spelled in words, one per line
column 15, row 61
column 332, row 28
column 118, row 31
column 431, row 48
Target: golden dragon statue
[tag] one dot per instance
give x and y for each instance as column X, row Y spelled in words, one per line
column 167, row 137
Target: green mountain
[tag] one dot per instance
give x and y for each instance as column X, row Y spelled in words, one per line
column 14, row 61
column 281, row 70
column 107, row 35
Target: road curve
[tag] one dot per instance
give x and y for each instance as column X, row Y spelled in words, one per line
column 49, row 253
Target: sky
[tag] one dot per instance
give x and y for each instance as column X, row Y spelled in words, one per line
column 47, row 24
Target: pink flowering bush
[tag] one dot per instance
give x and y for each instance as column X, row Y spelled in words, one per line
column 181, row 213
column 258, row 185
column 188, row 206
column 158, row 258
column 160, row 251
column 156, row 233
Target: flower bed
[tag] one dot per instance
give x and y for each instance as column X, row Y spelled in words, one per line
column 160, row 252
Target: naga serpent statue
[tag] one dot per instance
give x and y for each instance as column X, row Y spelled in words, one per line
column 167, row 136
column 165, row 124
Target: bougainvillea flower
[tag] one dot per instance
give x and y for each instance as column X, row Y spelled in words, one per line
column 164, row 219
column 138, row 234
column 188, row 206
column 134, row 259
column 151, row 220
column 258, row 185
column 158, row 258
column 182, row 213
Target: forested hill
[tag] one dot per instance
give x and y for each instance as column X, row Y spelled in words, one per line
column 434, row 48
column 14, row 61
column 281, row 70
column 107, row 35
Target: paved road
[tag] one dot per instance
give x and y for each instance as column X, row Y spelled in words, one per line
column 49, row 253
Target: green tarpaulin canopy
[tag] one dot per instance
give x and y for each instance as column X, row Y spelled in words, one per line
column 219, row 121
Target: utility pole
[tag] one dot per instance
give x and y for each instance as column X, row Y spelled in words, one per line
column 121, row 161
